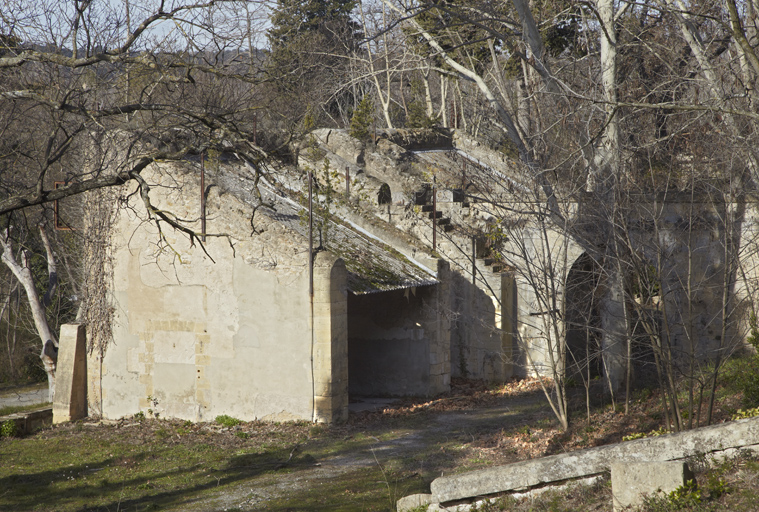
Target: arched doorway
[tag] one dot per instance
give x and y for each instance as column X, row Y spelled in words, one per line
column 582, row 319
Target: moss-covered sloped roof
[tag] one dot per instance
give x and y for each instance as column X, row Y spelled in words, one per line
column 373, row 266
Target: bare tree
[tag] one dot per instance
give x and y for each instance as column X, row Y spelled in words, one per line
column 563, row 84
column 91, row 93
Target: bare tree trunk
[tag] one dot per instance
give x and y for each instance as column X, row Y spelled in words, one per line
column 49, row 352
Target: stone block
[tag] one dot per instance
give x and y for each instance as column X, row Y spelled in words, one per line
column 632, row 481
column 70, row 400
column 413, row 501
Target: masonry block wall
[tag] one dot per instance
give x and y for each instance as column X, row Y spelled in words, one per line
column 196, row 338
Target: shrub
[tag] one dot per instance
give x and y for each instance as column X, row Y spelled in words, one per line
column 362, row 119
column 8, row 429
column 227, row 421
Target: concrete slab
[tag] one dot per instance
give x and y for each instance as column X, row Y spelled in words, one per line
column 594, row 461
column 632, row 481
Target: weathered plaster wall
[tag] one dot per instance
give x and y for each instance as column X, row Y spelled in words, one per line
column 203, row 338
column 483, row 327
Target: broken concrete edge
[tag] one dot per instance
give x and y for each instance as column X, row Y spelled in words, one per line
column 590, row 462
column 413, row 501
column 29, row 422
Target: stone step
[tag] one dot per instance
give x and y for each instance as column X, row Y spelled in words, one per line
column 448, row 227
column 435, row 215
column 427, row 208
column 444, row 221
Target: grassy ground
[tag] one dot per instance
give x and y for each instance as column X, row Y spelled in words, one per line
column 146, row 464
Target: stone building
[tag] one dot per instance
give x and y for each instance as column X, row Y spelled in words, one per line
column 232, row 328
column 408, row 288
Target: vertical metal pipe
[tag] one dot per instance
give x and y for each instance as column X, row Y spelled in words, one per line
column 310, row 237
column 347, row 182
column 202, row 196
column 434, row 214
column 474, row 260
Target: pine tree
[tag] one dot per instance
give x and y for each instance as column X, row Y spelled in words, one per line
column 308, row 39
column 362, row 119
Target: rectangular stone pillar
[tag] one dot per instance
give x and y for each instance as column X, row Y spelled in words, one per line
column 70, row 399
column 508, row 323
column 439, row 332
column 330, row 339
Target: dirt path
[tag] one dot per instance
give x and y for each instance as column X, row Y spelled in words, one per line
column 421, row 447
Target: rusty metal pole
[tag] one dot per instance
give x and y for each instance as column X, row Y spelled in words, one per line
column 434, row 214
column 310, row 237
column 474, row 261
column 347, row 182
column 202, row 196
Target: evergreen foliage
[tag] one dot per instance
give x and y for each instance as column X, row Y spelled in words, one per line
column 362, row 119
column 310, row 44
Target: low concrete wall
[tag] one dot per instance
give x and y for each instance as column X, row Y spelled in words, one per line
column 30, row 421
column 594, row 461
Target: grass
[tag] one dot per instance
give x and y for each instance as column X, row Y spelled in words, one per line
column 366, row 465
column 170, row 465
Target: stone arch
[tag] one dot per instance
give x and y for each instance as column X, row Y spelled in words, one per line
column 384, row 195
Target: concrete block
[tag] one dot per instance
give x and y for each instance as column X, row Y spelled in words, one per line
column 595, row 461
column 31, row 421
column 632, row 481
column 413, row 501
column 70, row 400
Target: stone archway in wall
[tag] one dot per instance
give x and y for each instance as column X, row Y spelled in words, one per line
column 582, row 319
column 384, row 195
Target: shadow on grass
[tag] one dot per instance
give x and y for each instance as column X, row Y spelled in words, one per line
column 366, row 465
column 35, row 491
